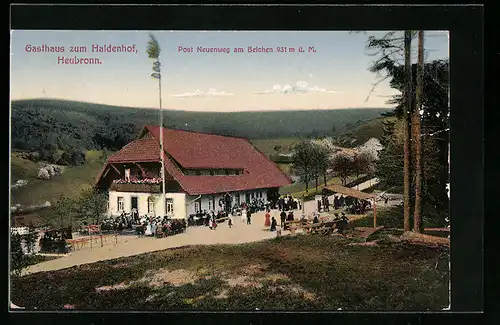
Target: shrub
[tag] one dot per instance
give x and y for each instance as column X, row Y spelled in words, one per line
column 65, row 159
column 72, row 158
column 50, row 170
column 16, row 254
column 34, row 156
column 43, row 173
column 77, row 157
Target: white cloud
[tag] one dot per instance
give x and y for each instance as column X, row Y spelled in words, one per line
column 209, row 93
column 300, row 87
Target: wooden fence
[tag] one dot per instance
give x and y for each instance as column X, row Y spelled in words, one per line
column 93, row 241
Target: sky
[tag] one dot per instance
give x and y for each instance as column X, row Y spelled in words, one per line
column 334, row 75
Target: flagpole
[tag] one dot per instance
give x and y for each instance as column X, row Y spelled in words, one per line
column 161, row 151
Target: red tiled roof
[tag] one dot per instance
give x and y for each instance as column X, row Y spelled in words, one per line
column 201, row 150
column 138, row 150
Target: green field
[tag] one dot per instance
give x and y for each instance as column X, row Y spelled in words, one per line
column 21, row 168
column 267, row 146
column 305, row 272
column 69, row 183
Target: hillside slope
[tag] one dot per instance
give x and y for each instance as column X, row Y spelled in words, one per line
column 92, row 126
column 69, row 183
column 361, row 133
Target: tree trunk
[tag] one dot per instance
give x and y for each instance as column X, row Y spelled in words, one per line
column 406, row 130
column 324, row 178
column 417, row 136
column 317, row 177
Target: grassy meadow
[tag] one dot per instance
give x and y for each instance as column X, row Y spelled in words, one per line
column 69, row 183
column 303, row 272
column 267, row 146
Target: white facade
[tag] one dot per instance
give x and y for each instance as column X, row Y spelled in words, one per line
column 180, row 205
column 207, row 201
column 148, row 204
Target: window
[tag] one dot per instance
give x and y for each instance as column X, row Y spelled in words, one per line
column 120, row 203
column 227, row 171
column 237, row 172
column 211, row 173
column 169, row 204
column 238, row 198
column 151, row 204
column 211, row 203
column 198, row 173
column 260, row 194
column 197, row 206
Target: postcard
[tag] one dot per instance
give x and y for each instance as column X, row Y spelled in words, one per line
column 229, row 170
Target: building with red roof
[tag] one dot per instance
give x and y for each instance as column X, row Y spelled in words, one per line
column 202, row 172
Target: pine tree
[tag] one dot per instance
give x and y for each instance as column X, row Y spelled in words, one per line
column 406, row 131
column 417, row 136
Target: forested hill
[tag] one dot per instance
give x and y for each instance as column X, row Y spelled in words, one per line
column 69, row 124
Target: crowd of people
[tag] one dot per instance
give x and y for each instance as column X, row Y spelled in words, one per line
column 204, row 218
column 287, row 203
column 351, row 204
column 160, row 227
column 145, row 225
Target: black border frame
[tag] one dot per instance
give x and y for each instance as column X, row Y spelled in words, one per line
column 465, row 24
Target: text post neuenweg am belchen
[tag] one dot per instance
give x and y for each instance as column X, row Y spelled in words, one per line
column 109, row 48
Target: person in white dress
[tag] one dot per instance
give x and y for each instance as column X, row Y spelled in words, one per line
column 243, row 215
column 149, row 229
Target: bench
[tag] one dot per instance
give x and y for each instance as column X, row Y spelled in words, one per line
column 323, row 227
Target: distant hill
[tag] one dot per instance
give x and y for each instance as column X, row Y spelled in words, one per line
column 39, row 122
column 359, row 134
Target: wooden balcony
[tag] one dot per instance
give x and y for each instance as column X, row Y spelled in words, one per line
column 170, row 187
column 130, row 187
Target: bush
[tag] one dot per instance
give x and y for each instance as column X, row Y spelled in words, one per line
column 16, row 254
column 43, row 173
column 34, row 156
column 49, row 153
column 77, row 157
column 72, row 158
column 65, row 159
column 50, row 170
column 30, row 240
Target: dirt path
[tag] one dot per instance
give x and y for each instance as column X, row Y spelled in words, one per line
column 132, row 245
